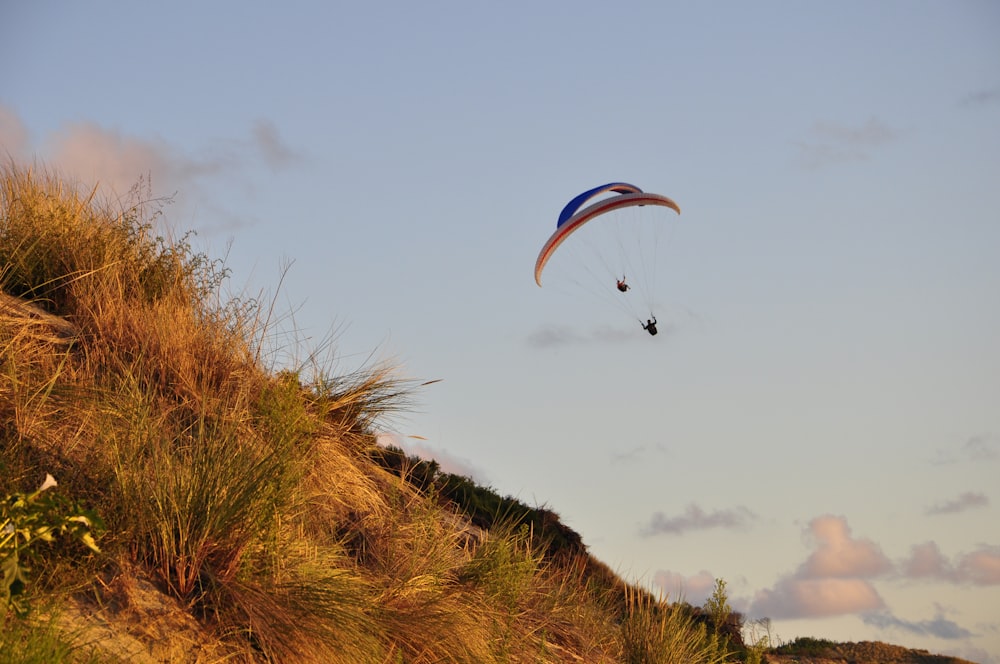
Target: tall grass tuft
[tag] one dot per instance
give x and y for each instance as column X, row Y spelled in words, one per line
column 413, row 554
column 197, row 494
column 42, row 641
column 656, row 632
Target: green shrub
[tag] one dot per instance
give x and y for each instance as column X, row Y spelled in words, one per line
column 28, row 519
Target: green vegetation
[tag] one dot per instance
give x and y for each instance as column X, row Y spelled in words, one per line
column 483, row 506
column 807, row 645
column 806, row 649
column 42, row 642
column 27, row 520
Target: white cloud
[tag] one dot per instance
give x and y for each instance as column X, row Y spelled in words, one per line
column 693, row 589
column 93, row 155
column 832, row 581
column 926, row 562
column 981, row 567
column 838, row 555
column 794, row 597
column 978, row 568
column 836, row 578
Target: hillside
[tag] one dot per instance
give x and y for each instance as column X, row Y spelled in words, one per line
column 819, row 651
column 205, row 506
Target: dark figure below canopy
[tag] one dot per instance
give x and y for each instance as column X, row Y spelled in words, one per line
column 650, row 325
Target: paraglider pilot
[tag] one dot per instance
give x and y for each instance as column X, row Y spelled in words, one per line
column 622, row 286
column 650, row 325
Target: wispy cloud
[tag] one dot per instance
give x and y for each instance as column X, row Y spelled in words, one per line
column 939, row 626
column 275, row 152
column 555, row 336
column 92, row 154
column 984, row 447
column 967, row 501
column 696, row 518
column 980, row 448
column 871, row 134
column 982, row 97
column 637, row 453
column 831, row 142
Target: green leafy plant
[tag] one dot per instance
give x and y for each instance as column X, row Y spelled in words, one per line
column 26, row 520
column 717, row 605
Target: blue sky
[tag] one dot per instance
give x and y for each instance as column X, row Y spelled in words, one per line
column 819, row 423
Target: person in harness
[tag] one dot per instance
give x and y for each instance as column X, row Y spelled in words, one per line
column 650, row 325
column 622, row 286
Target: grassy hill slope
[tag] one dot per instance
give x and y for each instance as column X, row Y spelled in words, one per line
column 210, row 508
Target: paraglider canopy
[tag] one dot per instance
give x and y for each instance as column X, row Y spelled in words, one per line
column 578, row 201
column 572, row 217
column 606, row 242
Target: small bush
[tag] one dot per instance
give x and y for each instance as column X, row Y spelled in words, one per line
column 26, row 520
